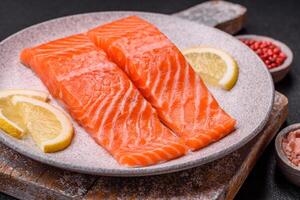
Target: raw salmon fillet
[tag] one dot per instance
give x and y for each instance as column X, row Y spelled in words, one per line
column 165, row 79
column 100, row 97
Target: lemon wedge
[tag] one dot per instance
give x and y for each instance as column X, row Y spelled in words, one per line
column 10, row 120
column 50, row 127
column 215, row 66
column 10, row 127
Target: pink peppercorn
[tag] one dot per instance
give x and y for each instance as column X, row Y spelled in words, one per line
column 270, row 53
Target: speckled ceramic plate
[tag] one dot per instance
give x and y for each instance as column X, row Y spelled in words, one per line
column 249, row 102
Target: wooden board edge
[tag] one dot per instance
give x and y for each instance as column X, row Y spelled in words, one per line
column 258, row 148
column 233, row 26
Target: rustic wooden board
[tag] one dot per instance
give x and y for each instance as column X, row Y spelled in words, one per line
column 24, row 178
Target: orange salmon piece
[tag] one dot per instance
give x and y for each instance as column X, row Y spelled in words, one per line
column 101, row 98
column 164, row 77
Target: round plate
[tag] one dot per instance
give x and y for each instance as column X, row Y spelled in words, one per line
column 249, row 102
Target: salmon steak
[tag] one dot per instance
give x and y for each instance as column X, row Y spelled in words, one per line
column 103, row 100
column 163, row 76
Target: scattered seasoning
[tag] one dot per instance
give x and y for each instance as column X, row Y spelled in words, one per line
column 291, row 147
column 270, row 53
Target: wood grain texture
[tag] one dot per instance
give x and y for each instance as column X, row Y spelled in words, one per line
column 24, row 178
column 226, row 16
column 259, row 144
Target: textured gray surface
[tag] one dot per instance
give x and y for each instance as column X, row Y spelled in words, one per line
column 213, row 13
column 249, row 101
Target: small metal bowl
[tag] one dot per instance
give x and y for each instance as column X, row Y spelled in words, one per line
column 278, row 73
column 290, row 171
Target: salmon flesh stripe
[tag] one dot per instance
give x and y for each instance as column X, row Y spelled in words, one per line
column 163, row 76
column 101, row 98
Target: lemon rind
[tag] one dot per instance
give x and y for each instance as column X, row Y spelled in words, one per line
column 11, row 127
column 231, row 75
column 43, row 96
column 64, row 137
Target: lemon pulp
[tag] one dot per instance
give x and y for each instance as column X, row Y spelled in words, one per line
column 214, row 66
column 50, row 127
column 10, row 120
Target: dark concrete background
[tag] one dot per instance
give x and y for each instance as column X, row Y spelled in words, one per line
column 275, row 18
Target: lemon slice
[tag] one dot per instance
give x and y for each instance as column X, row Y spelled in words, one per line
column 10, row 120
column 10, row 127
column 50, row 127
column 215, row 66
